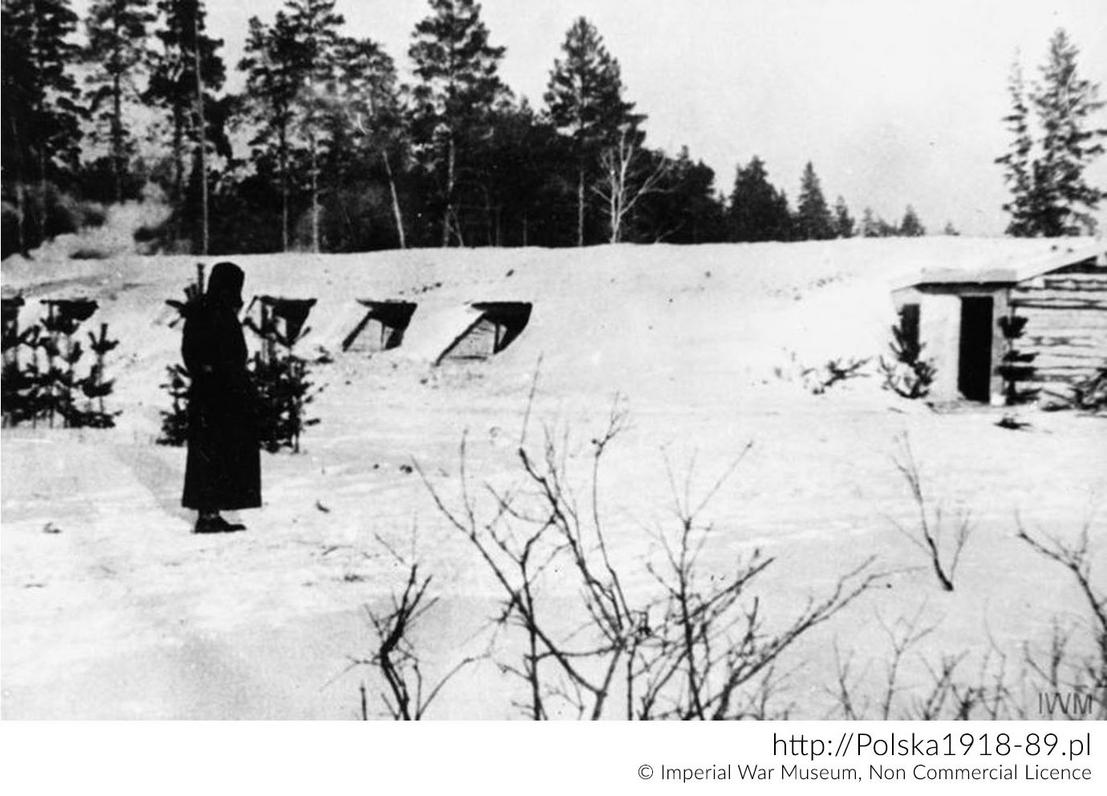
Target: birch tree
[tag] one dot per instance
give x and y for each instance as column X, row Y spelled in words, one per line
column 625, row 177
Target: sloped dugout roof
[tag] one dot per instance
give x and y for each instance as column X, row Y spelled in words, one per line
column 1035, row 257
column 601, row 313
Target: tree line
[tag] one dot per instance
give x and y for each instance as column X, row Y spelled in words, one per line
column 325, row 149
column 339, row 155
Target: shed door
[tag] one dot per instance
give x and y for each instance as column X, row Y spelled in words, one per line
column 974, row 370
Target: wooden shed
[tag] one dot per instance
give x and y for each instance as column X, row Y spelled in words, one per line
column 960, row 316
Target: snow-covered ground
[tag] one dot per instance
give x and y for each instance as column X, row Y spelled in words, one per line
column 111, row 608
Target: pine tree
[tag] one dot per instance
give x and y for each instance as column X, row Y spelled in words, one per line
column 685, row 208
column 758, row 211
column 457, row 92
column 844, row 226
column 370, row 98
column 1063, row 200
column 117, row 51
column 813, row 220
column 272, row 83
column 584, row 98
column 1016, row 163
column 911, row 227
column 185, row 74
column 41, row 110
column 523, row 162
column 869, row 225
column 1050, row 195
column 327, row 129
column 873, row 226
column 315, row 26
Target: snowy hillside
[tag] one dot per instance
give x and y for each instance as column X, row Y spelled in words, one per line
column 122, row 613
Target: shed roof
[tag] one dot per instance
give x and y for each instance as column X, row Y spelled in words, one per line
column 1016, row 266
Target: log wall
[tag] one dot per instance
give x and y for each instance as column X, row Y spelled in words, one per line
column 1066, row 313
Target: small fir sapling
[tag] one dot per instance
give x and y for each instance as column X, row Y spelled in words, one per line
column 65, row 379
column 94, row 386
column 283, row 392
column 907, row 374
column 11, row 387
column 174, row 421
column 30, row 386
column 14, row 383
column 280, row 375
column 31, row 392
column 1015, row 368
column 63, row 353
column 50, row 377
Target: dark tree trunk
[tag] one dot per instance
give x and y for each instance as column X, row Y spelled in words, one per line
column 118, row 155
column 448, row 215
column 396, row 214
column 178, row 170
column 203, row 136
column 314, row 195
column 117, row 117
column 580, row 206
column 284, row 186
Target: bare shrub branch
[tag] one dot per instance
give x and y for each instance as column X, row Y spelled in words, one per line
column 698, row 648
column 395, row 657
column 946, row 697
column 902, row 635
column 928, row 534
column 1065, row 669
column 844, row 683
column 930, row 705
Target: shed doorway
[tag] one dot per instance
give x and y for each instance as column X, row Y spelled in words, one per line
column 382, row 328
column 974, row 364
column 495, row 327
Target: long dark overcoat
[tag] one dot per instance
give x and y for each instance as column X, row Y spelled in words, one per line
column 223, row 470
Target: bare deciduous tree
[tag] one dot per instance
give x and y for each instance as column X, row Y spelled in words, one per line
column 625, row 179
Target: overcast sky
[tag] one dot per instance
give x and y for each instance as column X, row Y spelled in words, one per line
column 895, row 101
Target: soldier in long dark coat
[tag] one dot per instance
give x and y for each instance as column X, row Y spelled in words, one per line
column 223, row 471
